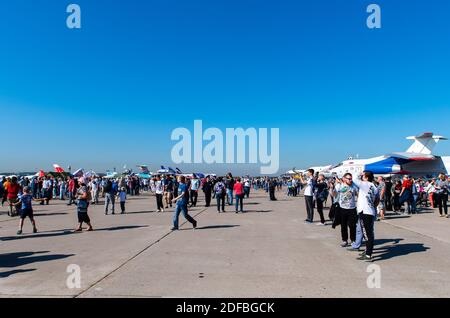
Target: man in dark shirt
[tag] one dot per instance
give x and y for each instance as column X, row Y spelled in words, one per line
column 207, row 189
column 229, row 184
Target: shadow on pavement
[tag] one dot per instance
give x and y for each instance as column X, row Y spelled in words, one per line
column 140, row 212
column 119, row 228
column 385, row 241
column 42, row 234
column 396, row 250
column 25, row 258
column 393, row 217
column 257, row 211
column 210, row 227
column 49, row 214
column 16, row 271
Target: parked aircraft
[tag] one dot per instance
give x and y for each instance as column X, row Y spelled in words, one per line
column 418, row 160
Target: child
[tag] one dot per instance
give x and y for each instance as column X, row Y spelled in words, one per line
column 27, row 209
column 122, row 198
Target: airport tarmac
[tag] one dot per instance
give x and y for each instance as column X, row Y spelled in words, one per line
column 266, row 252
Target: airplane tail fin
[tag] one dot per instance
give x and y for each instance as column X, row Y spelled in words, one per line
column 424, row 143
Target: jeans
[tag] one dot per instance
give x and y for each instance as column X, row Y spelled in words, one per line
column 240, row 201
column 359, row 235
column 70, row 198
column 309, row 208
column 220, row 198
column 414, row 203
column 109, row 199
column 230, row 197
column 181, row 208
column 247, row 191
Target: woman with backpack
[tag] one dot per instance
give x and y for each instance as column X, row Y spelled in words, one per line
column 220, row 191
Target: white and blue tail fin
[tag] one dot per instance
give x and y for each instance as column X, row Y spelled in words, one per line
column 424, row 143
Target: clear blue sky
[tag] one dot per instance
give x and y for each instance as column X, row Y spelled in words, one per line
column 111, row 93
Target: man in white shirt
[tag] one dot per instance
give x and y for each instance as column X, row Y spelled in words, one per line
column 46, row 190
column 366, row 207
column 193, row 191
column 309, row 194
column 159, row 191
column 94, row 190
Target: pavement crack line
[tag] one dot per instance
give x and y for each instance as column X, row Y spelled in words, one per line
column 132, row 258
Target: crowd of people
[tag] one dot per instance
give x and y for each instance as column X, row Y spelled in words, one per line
column 356, row 201
column 168, row 190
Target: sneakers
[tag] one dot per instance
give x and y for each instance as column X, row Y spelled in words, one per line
column 351, row 249
column 35, row 230
column 19, row 232
column 194, row 224
column 321, row 224
column 443, row 215
column 174, row 229
column 364, row 257
column 90, row 229
column 344, row 244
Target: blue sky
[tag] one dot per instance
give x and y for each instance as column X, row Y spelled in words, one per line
column 111, row 93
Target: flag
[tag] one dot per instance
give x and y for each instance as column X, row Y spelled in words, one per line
column 58, row 169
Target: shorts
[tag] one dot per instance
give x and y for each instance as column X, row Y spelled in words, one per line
column 24, row 213
column 83, row 217
column 381, row 207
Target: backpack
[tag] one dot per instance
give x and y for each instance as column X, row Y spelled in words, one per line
column 220, row 188
column 108, row 187
column 323, row 195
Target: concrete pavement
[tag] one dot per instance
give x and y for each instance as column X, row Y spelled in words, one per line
column 266, row 252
